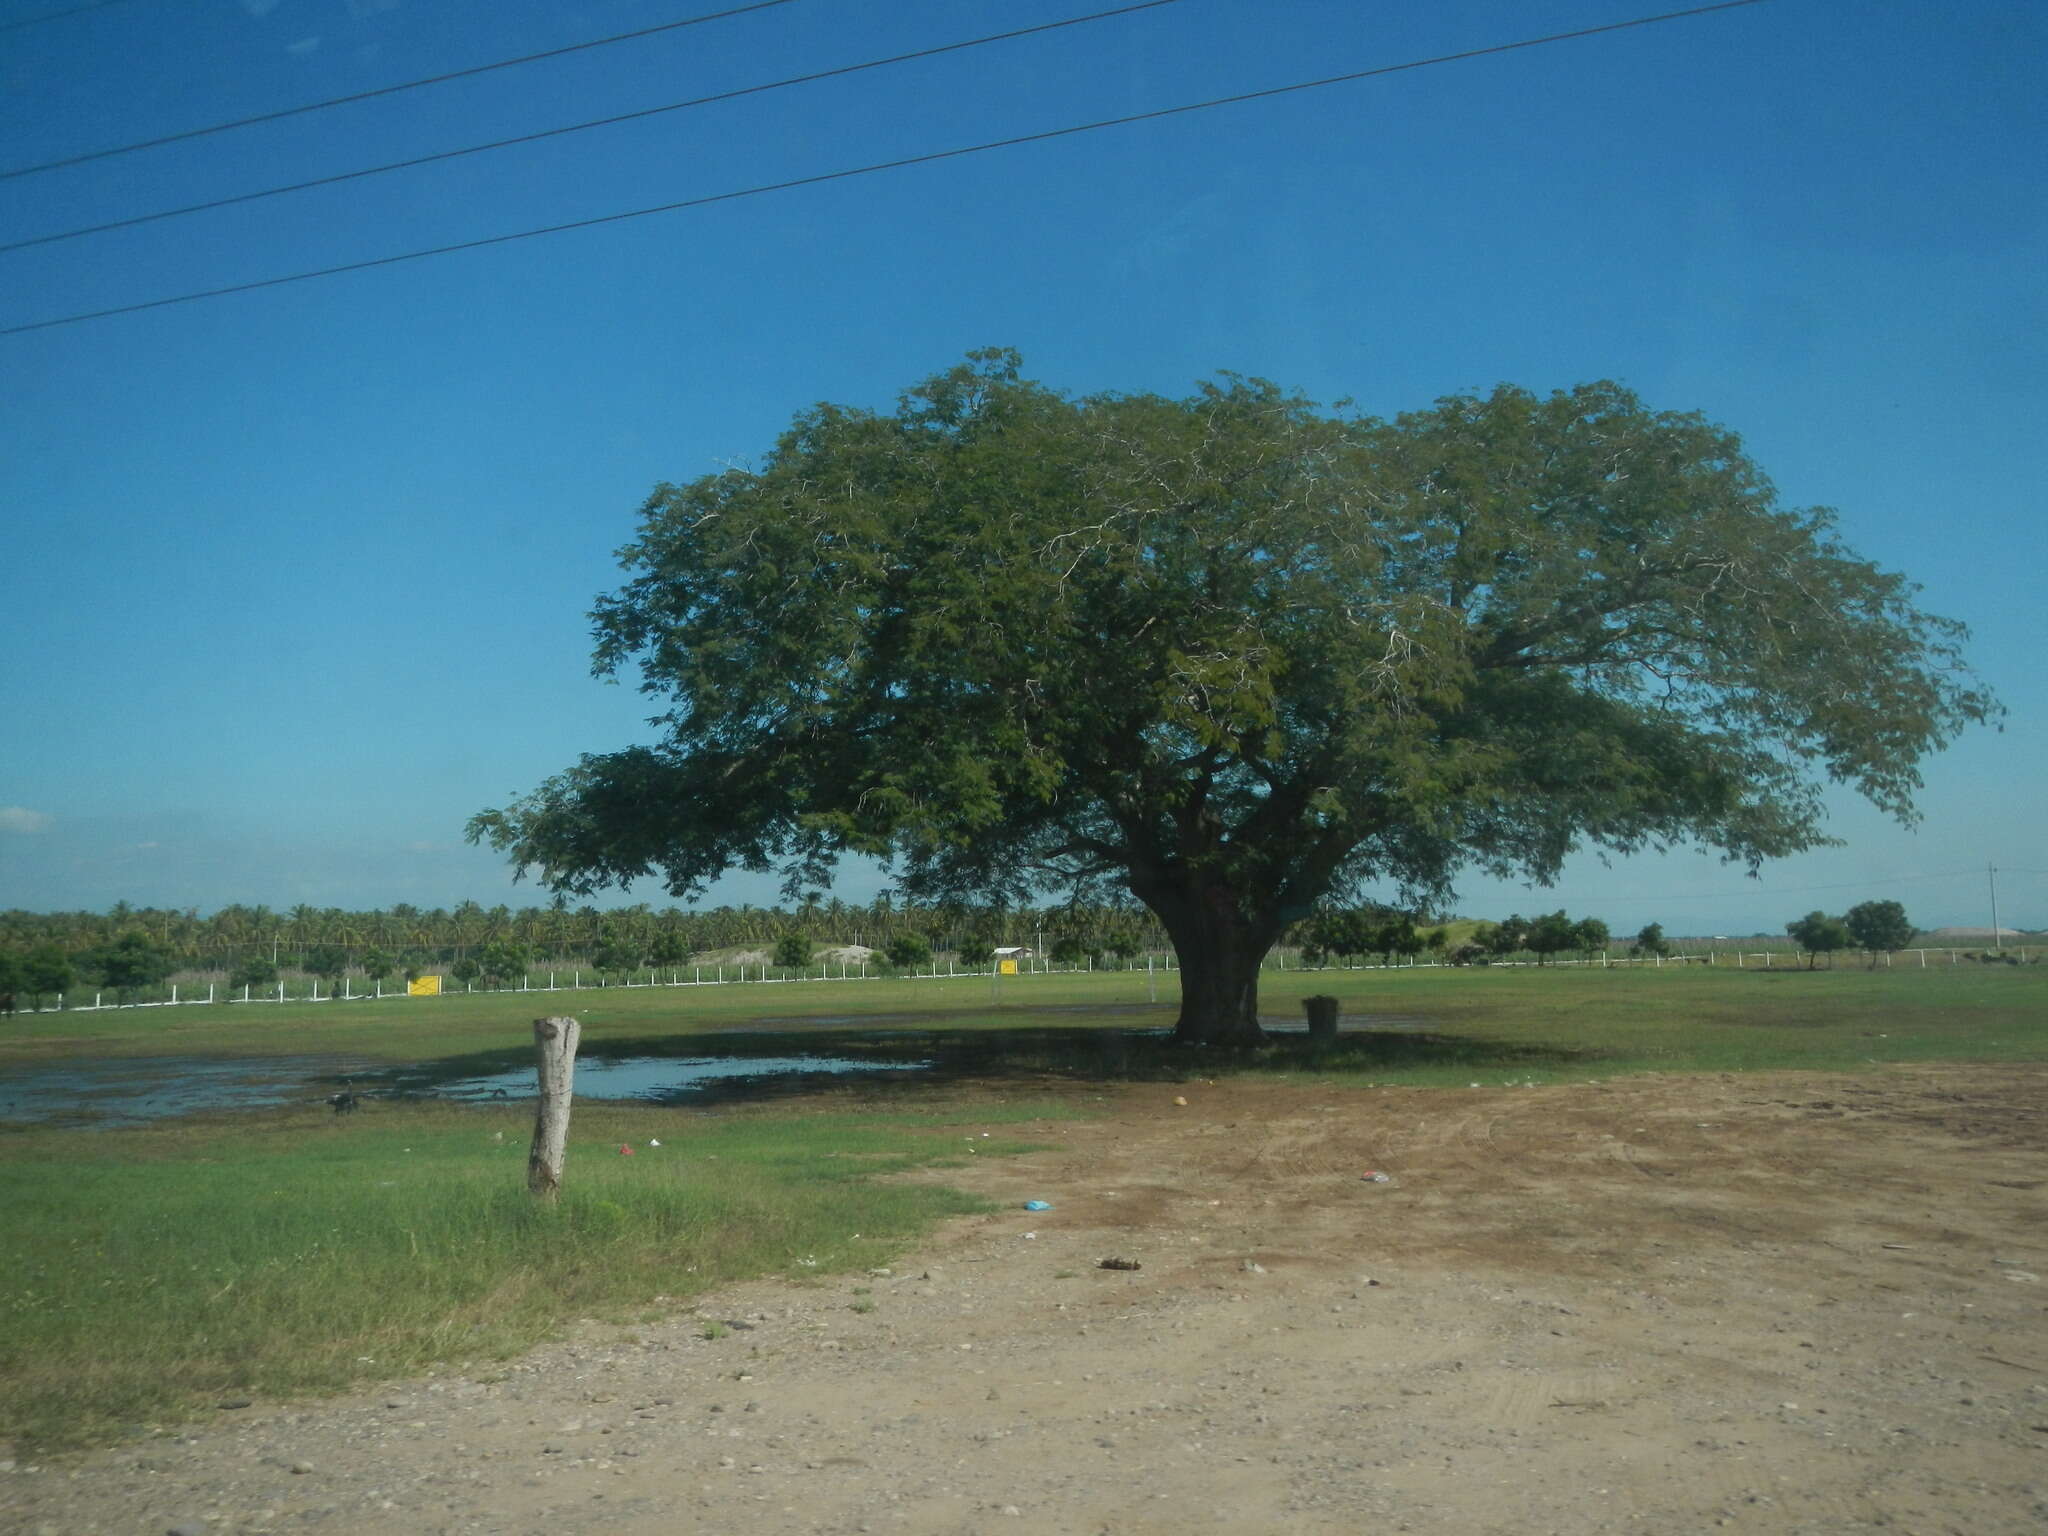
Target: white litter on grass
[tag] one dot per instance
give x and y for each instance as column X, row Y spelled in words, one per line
column 653, row 1141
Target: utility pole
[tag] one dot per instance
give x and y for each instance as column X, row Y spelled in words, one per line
column 1991, row 874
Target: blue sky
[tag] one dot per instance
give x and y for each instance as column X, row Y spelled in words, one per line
column 293, row 581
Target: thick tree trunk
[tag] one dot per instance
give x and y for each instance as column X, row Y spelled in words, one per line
column 555, row 1039
column 1219, row 951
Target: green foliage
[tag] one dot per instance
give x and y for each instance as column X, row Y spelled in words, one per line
column 975, row 952
column 1235, row 656
column 501, row 961
column 325, row 960
column 1879, row 926
column 254, row 972
column 1651, row 940
column 10, row 976
column 377, row 964
column 1345, row 932
column 669, row 949
column 615, row 954
column 46, row 971
column 1068, row 949
column 1551, row 934
column 793, row 951
column 1509, row 936
column 1590, row 934
column 130, row 961
column 466, row 970
column 1398, row 938
column 907, row 951
column 1818, row 934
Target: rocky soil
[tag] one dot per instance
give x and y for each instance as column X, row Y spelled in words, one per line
column 1652, row 1305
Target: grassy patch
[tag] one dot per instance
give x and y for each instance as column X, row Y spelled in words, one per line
column 150, row 1272
column 1543, row 1025
column 1444, row 1027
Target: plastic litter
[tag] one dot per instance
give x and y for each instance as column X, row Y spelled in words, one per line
column 1376, row 1177
column 1037, row 1205
column 624, row 1150
column 653, row 1141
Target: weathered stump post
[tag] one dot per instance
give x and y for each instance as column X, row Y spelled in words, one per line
column 555, row 1039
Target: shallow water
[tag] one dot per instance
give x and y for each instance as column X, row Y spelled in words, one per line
column 133, row 1091
column 136, row 1089
column 655, row 1079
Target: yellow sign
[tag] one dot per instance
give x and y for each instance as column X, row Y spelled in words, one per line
column 1006, row 967
column 424, row 986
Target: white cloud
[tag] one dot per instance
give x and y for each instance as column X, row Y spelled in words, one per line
column 302, row 47
column 260, row 8
column 19, row 818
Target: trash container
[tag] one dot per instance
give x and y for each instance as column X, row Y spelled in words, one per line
column 1322, row 1017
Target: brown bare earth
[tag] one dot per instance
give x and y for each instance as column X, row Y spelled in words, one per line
column 1767, row 1304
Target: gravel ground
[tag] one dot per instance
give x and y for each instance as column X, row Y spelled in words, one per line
column 1652, row 1305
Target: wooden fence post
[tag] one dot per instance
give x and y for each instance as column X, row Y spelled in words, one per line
column 555, row 1039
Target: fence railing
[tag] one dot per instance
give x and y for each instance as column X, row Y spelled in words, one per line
column 576, row 979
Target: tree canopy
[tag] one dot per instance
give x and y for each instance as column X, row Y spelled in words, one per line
column 1819, row 934
column 1879, row 926
column 1232, row 655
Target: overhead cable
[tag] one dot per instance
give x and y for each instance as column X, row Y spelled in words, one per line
column 1878, row 882
column 382, row 90
column 865, row 170
column 600, row 122
column 76, row 10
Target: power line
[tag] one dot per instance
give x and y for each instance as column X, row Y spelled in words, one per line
column 382, row 90
column 76, row 10
column 601, row 122
column 1878, row 882
column 866, row 170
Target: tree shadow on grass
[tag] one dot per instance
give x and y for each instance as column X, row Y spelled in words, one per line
column 897, row 1059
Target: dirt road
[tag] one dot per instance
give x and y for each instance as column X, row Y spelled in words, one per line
column 1654, row 1305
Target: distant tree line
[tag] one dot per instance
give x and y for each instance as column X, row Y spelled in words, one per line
column 129, row 948
column 1875, row 927
column 241, row 939
column 1545, row 937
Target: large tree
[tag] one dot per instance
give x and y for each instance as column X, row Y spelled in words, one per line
column 1235, row 655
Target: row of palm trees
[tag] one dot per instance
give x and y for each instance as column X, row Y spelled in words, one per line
column 238, row 933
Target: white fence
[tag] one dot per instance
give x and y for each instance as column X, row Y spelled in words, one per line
column 1155, row 964
column 572, row 981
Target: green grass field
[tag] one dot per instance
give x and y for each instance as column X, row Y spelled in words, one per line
column 1678, row 1018
column 151, row 1271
